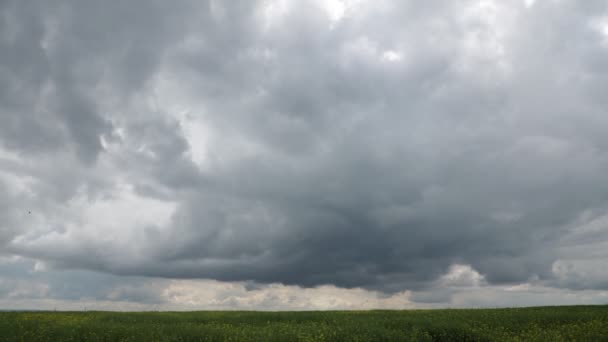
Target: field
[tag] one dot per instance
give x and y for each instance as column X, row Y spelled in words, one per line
column 579, row 323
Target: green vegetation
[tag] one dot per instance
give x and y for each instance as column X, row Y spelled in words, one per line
column 578, row 323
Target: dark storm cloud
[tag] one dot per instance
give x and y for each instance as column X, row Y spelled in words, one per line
column 55, row 59
column 375, row 151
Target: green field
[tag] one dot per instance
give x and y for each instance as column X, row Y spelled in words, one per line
column 574, row 323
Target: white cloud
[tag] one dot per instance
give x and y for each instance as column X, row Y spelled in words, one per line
column 392, row 56
column 213, row 294
column 462, row 276
column 529, row 3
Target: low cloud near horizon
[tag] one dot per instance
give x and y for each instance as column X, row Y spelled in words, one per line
column 294, row 155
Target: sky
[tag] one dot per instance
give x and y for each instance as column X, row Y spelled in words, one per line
column 303, row 154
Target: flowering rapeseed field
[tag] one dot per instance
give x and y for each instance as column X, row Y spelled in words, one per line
column 575, row 323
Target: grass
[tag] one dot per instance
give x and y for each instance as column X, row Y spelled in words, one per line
column 566, row 323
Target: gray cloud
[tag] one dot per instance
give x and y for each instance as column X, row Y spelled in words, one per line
column 268, row 142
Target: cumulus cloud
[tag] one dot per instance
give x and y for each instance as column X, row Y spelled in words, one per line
column 379, row 148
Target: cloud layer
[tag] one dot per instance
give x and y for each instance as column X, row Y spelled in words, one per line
column 392, row 149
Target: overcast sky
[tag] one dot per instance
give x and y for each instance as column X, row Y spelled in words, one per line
column 290, row 154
